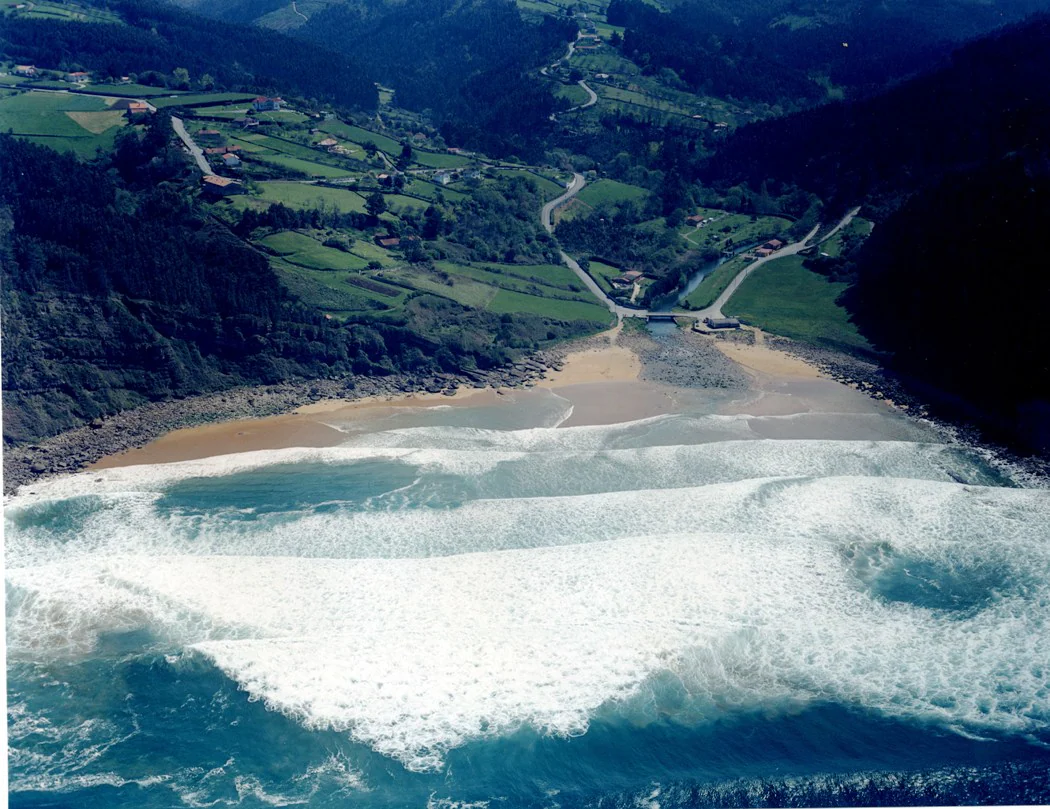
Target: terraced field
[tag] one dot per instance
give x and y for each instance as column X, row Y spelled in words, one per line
column 304, row 251
column 302, row 195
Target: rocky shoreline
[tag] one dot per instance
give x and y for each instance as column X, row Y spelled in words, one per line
column 687, row 361
column 75, row 449
column 875, row 381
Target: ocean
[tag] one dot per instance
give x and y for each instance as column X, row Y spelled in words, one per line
column 474, row 607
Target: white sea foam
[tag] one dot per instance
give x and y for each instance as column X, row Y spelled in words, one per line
column 759, row 581
column 415, row 656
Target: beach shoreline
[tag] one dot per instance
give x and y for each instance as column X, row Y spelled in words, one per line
column 620, row 375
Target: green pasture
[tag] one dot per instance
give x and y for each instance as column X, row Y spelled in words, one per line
column 785, row 298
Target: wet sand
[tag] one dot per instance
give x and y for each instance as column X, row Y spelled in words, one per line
column 601, row 381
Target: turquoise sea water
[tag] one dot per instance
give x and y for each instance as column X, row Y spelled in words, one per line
column 472, row 607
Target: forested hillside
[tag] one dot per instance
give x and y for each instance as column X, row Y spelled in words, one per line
column 955, row 286
column 159, row 37
column 797, row 52
column 992, row 99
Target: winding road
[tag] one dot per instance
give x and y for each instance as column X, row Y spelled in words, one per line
column 712, row 311
column 193, row 148
column 592, row 97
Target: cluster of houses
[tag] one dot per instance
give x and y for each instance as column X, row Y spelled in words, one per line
column 769, row 248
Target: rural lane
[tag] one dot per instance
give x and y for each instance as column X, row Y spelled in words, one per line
column 546, row 217
column 187, row 141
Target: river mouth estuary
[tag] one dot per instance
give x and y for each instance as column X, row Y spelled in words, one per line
column 782, row 594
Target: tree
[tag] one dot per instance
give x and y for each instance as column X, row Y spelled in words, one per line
column 616, row 40
column 207, row 81
column 180, row 78
column 375, row 204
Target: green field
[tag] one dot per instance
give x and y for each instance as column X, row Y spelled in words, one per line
column 307, row 167
column 422, row 188
column 200, row 99
column 638, row 99
column 714, row 284
column 130, row 90
column 575, row 94
column 439, row 160
column 301, row 195
column 332, row 292
column 298, row 248
column 611, row 192
column 856, row 230
column 63, row 121
column 604, row 273
column 515, row 302
column 785, row 298
column 66, row 12
column 545, row 280
column 547, row 188
column 741, row 229
column 361, row 136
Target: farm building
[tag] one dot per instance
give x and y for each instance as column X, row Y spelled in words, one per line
column 389, row 243
column 231, row 161
column 216, row 186
column 443, row 177
column 25, row 70
column 209, row 135
column 328, row 143
column 764, row 252
column 722, row 322
column 773, row 244
column 76, row 76
column 136, row 109
column 265, row 104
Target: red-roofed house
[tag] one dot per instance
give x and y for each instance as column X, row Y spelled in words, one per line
column 220, row 186
column 136, row 109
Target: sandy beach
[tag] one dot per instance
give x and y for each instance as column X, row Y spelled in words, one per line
column 606, row 381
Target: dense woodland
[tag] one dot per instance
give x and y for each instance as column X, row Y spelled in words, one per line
column 991, row 100
column 955, row 286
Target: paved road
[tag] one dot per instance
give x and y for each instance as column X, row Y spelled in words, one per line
column 845, row 221
column 194, row 149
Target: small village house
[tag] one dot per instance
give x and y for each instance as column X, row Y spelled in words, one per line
column 215, row 186
column 231, row 160
column 76, row 76
column 25, row 70
column 443, row 178
column 137, row 109
column 209, row 135
column 265, row 104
